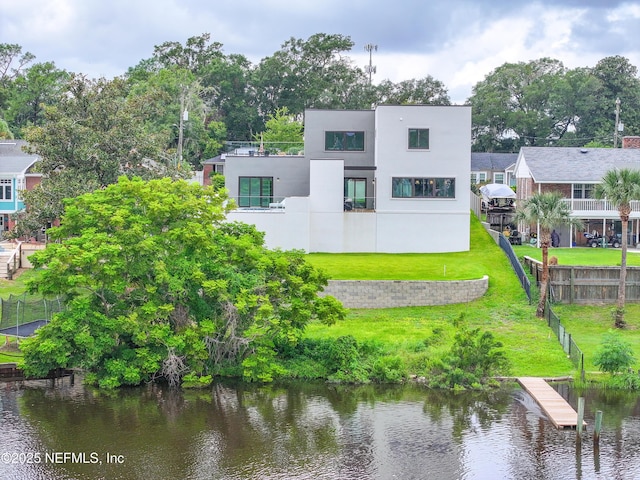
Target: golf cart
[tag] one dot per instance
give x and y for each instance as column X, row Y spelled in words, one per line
column 596, row 240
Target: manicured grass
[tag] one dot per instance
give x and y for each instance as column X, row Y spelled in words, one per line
column 15, row 286
column 504, row 310
column 475, row 263
column 582, row 255
column 588, row 324
column 9, row 353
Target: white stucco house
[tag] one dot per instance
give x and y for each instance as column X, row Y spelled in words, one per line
column 394, row 179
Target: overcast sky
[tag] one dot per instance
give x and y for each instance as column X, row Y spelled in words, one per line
column 457, row 42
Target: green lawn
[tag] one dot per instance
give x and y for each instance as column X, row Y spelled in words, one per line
column 581, row 255
column 475, row 263
column 588, row 324
column 504, row 310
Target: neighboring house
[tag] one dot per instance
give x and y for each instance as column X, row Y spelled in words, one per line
column 15, row 176
column 574, row 172
column 394, row 179
column 493, row 168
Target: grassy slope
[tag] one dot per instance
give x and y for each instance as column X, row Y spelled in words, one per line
column 588, row 323
column 504, row 310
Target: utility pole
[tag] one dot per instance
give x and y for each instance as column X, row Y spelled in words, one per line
column 370, row 69
column 618, row 124
column 184, row 116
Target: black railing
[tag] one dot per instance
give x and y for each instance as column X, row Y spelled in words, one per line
column 566, row 340
column 515, row 263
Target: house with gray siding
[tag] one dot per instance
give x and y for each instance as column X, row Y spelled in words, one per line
column 493, row 168
column 393, row 179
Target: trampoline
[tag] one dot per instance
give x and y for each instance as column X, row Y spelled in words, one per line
column 24, row 330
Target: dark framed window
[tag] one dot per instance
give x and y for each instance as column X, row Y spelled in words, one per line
column 583, row 190
column 418, row 138
column 6, row 189
column 344, row 141
column 255, row 191
column 404, row 187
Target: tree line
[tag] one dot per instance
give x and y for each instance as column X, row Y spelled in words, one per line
column 540, row 102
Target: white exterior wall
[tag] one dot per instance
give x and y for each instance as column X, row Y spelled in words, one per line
column 285, row 228
column 318, row 223
column 326, row 204
column 423, row 224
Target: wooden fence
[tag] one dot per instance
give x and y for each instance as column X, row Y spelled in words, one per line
column 581, row 284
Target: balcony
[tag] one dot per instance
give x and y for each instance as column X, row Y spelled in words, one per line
column 359, row 204
column 266, row 203
column 592, row 205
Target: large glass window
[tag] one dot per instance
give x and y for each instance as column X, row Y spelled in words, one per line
column 355, row 193
column 583, row 190
column 419, row 138
column 344, row 141
column 255, row 191
column 5, row 189
column 423, row 188
column 498, row 178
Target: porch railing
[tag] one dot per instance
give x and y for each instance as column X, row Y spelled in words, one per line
column 593, row 205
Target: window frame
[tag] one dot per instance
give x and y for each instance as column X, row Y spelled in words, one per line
column 585, row 189
column 247, row 200
column 422, row 187
column 357, row 147
column 6, row 189
column 418, row 142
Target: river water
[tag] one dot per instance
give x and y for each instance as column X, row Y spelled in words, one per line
column 306, row 431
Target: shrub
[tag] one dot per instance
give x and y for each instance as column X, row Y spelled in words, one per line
column 614, row 354
column 474, row 358
column 389, row 369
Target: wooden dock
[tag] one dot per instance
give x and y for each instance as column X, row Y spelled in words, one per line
column 9, row 372
column 561, row 414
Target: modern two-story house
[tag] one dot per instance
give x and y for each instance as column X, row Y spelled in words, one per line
column 574, row 172
column 393, row 179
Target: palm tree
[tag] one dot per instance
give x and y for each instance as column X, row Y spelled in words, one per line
column 619, row 187
column 548, row 210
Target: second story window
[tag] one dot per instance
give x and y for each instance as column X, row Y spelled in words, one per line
column 418, row 139
column 5, row 189
column 583, row 190
column 344, row 141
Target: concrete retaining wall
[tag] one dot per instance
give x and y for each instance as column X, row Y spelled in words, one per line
column 400, row 293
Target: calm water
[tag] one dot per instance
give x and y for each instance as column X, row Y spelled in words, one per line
column 305, row 432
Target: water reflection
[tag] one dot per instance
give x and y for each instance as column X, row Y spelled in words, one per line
column 301, row 431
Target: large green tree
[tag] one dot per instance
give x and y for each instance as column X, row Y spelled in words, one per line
column 12, row 62
column 542, row 103
column 282, row 133
column 39, row 86
column 312, row 73
column 157, row 284
column 547, row 210
column 424, row 91
column 94, row 133
column 510, row 106
column 620, row 187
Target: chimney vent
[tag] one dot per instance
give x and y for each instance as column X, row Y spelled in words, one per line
column 630, row 142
